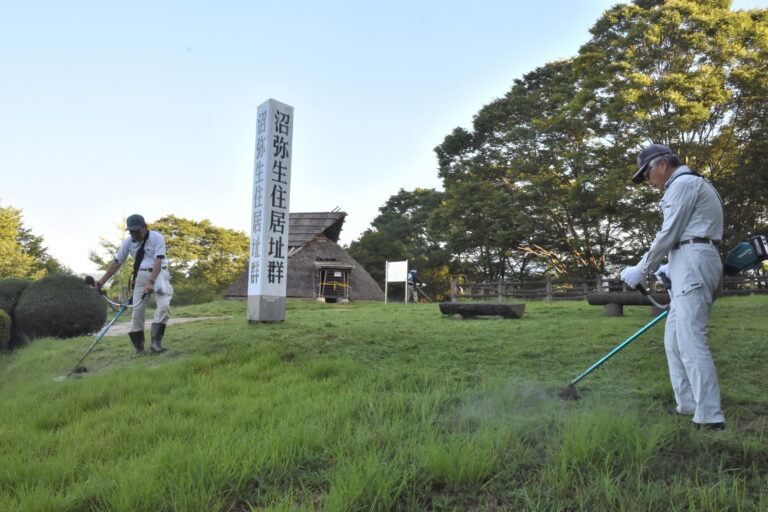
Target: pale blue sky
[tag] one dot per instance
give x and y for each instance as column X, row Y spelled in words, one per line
column 108, row 108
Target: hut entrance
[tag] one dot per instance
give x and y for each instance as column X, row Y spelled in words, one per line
column 334, row 284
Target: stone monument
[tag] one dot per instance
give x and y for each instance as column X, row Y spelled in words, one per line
column 268, row 262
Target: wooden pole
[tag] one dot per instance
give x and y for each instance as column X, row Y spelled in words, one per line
column 386, row 280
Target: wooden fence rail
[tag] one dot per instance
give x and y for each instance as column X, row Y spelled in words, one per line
column 551, row 289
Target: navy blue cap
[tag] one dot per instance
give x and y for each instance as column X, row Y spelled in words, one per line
column 135, row 222
column 645, row 157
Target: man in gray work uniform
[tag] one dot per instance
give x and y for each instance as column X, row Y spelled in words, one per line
column 150, row 276
column 689, row 237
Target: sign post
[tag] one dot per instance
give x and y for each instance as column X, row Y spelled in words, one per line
column 396, row 271
column 268, row 262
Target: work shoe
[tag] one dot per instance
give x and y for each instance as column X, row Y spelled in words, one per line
column 674, row 412
column 709, row 426
column 137, row 338
column 158, row 331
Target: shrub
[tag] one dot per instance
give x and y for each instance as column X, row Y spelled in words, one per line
column 10, row 291
column 61, row 306
column 188, row 292
column 5, row 330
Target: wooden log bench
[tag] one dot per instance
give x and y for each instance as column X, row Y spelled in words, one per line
column 613, row 302
column 472, row 309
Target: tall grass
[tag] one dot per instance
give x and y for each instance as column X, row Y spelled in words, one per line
column 367, row 406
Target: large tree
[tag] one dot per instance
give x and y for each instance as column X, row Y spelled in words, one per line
column 558, row 185
column 692, row 75
column 484, row 229
column 402, row 231
column 559, row 147
column 22, row 254
column 746, row 187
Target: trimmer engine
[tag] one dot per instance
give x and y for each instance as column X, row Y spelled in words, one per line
column 746, row 255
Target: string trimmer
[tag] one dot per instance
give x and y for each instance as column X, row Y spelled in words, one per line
column 423, row 293
column 571, row 392
column 122, row 308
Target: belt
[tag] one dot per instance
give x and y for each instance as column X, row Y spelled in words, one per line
column 149, row 269
column 697, row 240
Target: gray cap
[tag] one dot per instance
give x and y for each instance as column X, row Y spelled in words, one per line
column 135, row 222
column 645, row 157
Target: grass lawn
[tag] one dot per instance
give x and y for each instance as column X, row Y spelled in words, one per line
column 367, row 406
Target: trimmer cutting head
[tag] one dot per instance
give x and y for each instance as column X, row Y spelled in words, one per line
column 570, row 392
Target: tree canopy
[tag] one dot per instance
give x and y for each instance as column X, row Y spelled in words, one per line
column 561, row 143
column 691, row 75
column 402, row 231
column 22, row 254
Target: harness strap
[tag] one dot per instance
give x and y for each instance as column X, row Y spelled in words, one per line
column 138, row 259
column 672, row 180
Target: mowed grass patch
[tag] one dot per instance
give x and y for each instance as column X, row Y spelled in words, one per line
column 366, row 406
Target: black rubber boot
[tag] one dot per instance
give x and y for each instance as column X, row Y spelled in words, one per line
column 158, row 331
column 137, row 338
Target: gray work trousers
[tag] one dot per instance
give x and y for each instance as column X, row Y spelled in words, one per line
column 695, row 271
column 163, row 294
column 413, row 294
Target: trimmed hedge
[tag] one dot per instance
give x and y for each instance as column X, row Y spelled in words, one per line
column 60, row 306
column 10, row 292
column 5, row 331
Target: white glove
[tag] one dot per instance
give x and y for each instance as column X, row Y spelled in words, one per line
column 662, row 275
column 633, row 276
column 161, row 284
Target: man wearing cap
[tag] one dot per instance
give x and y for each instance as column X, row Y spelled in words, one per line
column 150, row 274
column 413, row 283
column 689, row 237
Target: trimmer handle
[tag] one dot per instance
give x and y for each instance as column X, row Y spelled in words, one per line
column 642, row 290
column 90, row 281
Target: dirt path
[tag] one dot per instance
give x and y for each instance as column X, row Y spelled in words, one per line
column 124, row 327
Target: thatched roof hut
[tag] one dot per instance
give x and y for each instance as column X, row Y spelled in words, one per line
column 318, row 268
